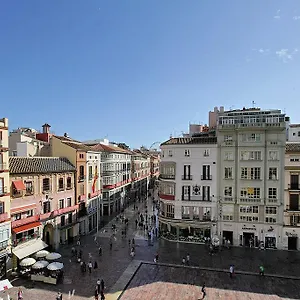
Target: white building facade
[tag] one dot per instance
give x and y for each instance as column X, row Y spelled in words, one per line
column 291, row 229
column 293, row 133
column 251, row 176
column 188, row 188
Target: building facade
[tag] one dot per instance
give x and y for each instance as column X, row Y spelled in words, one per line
column 88, row 186
column 188, row 188
column 291, row 230
column 43, row 205
column 251, row 176
column 5, row 223
column 116, row 176
column 293, row 133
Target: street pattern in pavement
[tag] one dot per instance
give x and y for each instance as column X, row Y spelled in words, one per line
column 171, row 283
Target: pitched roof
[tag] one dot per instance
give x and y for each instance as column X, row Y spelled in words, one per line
column 106, row 148
column 190, row 140
column 28, row 165
column 66, row 139
column 292, row 147
column 79, row 146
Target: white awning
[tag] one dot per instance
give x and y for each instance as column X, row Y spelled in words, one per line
column 29, row 248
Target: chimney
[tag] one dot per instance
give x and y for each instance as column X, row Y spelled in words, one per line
column 46, row 128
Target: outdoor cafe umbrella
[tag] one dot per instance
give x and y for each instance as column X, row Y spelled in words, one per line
column 26, row 262
column 42, row 254
column 53, row 256
column 40, row 264
column 55, row 266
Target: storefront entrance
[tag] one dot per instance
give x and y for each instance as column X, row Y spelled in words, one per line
column 228, row 235
column 247, row 237
column 292, row 243
column 270, row 242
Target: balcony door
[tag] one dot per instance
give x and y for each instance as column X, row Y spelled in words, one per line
column 294, row 182
column 206, row 172
column 294, row 202
column 1, row 186
column 187, row 171
column 206, row 193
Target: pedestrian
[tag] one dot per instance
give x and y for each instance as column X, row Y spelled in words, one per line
column 203, row 290
column 231, row 271
column 100, row 251
column 20, row 294
column 96, row 293
column 95, row 265
column 58, row 297
column 183, row 260
column 98, row 285
column 78, row 242
column 80, row 254
column 261, row 270
column 90, row 266
column 129, row 242
column 110, row 245
column 133, row 242
column 188, row 259
column 136, row 223
column 84, row 267
column 102, row 286
column 156, row 258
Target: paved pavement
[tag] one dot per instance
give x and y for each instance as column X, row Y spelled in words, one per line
column 112, row 264
column 171, row 283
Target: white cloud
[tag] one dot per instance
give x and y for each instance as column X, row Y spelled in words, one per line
column 276, row 17
column 296, row 18
column 285, row 55
column 262, row 51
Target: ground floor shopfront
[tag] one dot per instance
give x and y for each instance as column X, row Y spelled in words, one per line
column 181, row 230
column 5, row 236
column 251, row 235
column 291, row 238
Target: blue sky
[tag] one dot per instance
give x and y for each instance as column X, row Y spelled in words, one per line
column 138, row 70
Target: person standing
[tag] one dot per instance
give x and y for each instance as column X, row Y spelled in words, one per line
column 59, row 296
column 99, row 285
column 102, row 286
column 90, row 266
column 20, row 294
column 100, row 251
column 102, row 295
column 261, row 270
column 231, row 271
column 183, row 260
column 188, row 259
column 203, row 290
column 96, row 293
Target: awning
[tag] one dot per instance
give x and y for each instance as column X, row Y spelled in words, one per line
column 19, row 185
column 29, row 248
column 26, row 227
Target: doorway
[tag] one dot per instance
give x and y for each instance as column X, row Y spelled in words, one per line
column 247, row 237
column 292, row 243
column 228, row 235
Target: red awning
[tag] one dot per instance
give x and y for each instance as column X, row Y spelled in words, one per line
column 26, row 227
column 19, row 185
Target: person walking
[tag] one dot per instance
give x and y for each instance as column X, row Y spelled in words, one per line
column 203, row 290
column 261, row 270
column 231, row 271
column 102, row 295
column 58, row 297
column 100, row 251
column 20, row 294
column 188, row 259
column 102, row 285
column 183, row 260
column 96, row 293
column 110, row 245
column 98, row 285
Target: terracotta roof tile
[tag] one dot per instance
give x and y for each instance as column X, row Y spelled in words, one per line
column 79, row 146
column 106, row 148
column 190, row 140
column 28, row 165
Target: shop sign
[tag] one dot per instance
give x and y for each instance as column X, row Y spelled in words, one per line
column 248, row 228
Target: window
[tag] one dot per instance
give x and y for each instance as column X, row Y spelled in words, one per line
column 81, row 155
column 2, row 210
column 252, row 137
column 250, row 192
column 206, row 172
column 227, row 138
column 248, row 218
column 249, row 209
column 61, row 203
column 228, row 156
column 187, row 172
column 81, row 172
column 170, row 211
column 298, row 133
column 228, row 173
column 62, row 221
column 294, row 159
column 17, row 217
column 69, row 183
column 273, row 174
column 273, row 155
column 46, row 207
column 187, row 152
column 250, row 173
column 271, row 210
column 69, row 202
column 270, row 220
column 186, row 212
column 250, row 155
column 228, row 191
column 90, row 172
column 46, row 184
column 227, row 218
column 206, row 152
column 70, row 218
column 170, row 153
column 29, row 213
column 29, row 187
column 186, row 190
column 206, row 193
column 272, row 193
column 60, row 184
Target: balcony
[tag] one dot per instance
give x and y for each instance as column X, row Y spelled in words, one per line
column 250, row 200
column 68, row 222
column 187, row 177
column 166, row 176
column 228, row 199
column 81, row 178
column 3, row 192
column 206, row 177
column 292, row 208
column 294, row 187
column 24, row 221
column 3, row 217
column 166, row 197
column 196, row 198
column 25, row 239
column 272, row 201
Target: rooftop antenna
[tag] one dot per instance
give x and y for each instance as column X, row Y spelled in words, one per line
column 253, row 104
